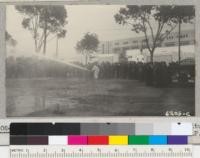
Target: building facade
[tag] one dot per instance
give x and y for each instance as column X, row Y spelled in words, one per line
column 122, row 45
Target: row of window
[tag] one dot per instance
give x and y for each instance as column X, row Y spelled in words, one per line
column 171, row 37
column 168, row 44
column 182, row 36
column 124, row 48
column 159, row 44
column 135, row 42
column 173, row 43
column 126, row 42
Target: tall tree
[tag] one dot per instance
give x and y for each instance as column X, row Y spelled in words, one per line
column 87, row 45
column 150, row 20
column 42, row 21
column 180, row 15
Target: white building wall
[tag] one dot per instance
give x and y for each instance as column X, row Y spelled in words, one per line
column 120, row 46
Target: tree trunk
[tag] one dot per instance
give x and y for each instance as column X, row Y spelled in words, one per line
column 45, row 33
column 57, row 47
column 151, row 57
column 86, row 59
column 179, row 41
column 35, row 40
column 36, row 49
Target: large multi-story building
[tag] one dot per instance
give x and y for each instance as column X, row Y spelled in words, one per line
column 122, row 45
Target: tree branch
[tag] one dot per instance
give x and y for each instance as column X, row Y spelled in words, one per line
column 165, row 35
column 159, row 29
column 146, row 36
column 151, row 29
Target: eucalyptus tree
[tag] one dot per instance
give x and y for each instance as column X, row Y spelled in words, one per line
column 43, row 21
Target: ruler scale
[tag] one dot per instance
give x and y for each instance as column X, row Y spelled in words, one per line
column 115, row 151
column 99, row 140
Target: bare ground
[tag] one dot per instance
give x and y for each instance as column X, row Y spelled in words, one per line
column 83, row 97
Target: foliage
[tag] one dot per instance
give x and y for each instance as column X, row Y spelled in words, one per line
column 10, row 40
column 154, row 21
column 42, row 21
column 182, row 14
column 179, row 15
column 88, row 43
column 61, row 34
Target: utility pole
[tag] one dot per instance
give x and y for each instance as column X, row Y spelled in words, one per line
column 179, row 41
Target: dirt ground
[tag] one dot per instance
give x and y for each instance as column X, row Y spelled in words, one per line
column 83, row 97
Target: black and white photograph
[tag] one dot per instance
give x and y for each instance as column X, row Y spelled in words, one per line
column 100, row 60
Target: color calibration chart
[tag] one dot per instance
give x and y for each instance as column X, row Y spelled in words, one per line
column 101, row 140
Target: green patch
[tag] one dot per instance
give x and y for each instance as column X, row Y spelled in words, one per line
column 138, row 140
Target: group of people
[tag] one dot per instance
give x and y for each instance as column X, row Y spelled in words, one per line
column 158, row 73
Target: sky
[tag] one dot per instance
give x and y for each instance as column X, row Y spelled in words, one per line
column 81, row 19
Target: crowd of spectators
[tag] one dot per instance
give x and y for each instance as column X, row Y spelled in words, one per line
column 153, row 74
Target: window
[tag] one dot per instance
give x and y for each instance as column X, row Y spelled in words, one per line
column 103, row 47
column 117, row 50
column 144, row 45
column 169, row 44
column 158, row 44
column 185, row 42
column 134, row 47
column 183, row 36
column 186, row 36
column 125, row 48
column 125, row 42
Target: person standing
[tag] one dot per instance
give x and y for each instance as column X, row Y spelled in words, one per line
column 96, row 71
